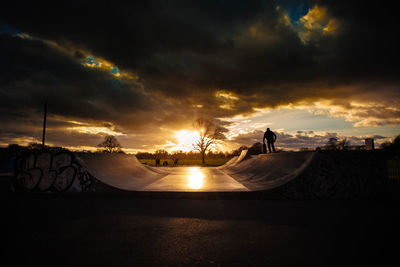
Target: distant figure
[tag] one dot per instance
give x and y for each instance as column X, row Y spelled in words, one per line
column 271, row 138
column 157, row 162
column 175, row 161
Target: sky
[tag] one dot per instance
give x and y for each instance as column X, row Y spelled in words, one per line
column 145, row 70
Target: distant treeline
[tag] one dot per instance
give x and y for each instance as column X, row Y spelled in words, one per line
column 163, row 154
column 256, row 148
column 13, row 149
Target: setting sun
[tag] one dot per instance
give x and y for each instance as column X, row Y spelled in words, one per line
column 186, row 139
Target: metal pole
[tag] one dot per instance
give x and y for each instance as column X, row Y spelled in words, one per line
column 44, row 125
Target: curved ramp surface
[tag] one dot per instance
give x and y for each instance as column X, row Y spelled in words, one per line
column 127, row 173
column 120, row 170
column 79, row 172
column 268, row 171
column 293, row 175
column 235, row 160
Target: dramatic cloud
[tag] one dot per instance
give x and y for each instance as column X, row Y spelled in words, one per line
column 142, row 70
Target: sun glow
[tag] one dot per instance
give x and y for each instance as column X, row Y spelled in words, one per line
column 186, row 139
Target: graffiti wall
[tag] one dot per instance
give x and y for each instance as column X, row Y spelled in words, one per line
column 341, row 175
column 51, row 172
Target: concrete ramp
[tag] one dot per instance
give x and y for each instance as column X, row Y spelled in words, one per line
column 291, row 175
column 313, row 175
column 120, row 170
column 268, row 171
column 235, row 160
column 81, row 172
column 92, row 172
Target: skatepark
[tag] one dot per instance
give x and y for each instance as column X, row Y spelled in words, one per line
column 290, row 175
column 282, row 209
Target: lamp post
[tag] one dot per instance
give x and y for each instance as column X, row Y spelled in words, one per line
column 44, row 125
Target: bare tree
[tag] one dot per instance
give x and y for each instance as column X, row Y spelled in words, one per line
column 110, row 144
column 209, row 134
column 335, row 144
column 35, row 146
column 161, row 154
column 332, row 144
column 392, row 145
column 344, row 144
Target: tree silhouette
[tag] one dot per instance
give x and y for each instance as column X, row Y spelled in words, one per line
column 34, row 146
column 161, row 154
column 332, row 144
column 209, row 134
column 110, row 144
column 392, row 145
column 344, row 144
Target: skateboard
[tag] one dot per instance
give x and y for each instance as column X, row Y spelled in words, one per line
column 264, row 148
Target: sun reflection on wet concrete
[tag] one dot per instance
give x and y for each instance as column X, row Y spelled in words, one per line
column 195, row 178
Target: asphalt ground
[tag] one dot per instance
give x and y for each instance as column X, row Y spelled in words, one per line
column 90, row 230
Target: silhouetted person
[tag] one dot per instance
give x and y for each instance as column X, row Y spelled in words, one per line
column 157, row 162
column 271, row 138
column 176, row 161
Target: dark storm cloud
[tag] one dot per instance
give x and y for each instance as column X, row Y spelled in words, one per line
column 33, row 72
column 183, row 47
column 185, row 52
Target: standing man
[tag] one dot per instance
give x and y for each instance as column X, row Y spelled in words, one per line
column 271, row 138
